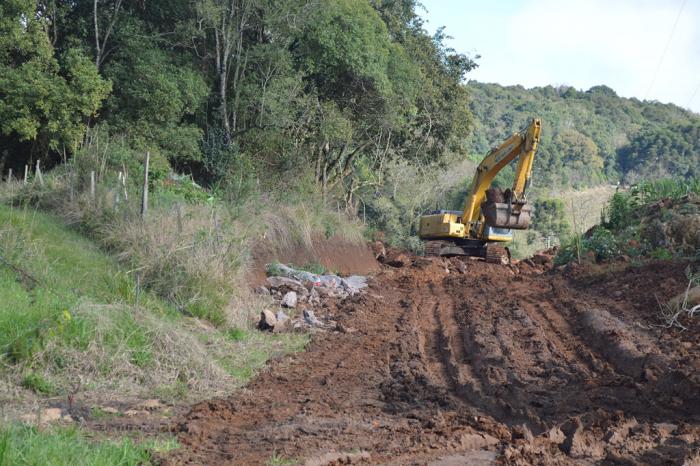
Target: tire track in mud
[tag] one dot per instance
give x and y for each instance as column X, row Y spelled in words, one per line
column 449, row 360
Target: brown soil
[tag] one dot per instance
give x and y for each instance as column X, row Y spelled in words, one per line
column 462, row 362
column 336, row 255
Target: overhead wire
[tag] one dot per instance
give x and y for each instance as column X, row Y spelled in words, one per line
column 692, row 97
column 663, row 54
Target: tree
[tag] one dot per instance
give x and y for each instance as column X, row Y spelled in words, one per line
column 549, row 219
column 44, row 98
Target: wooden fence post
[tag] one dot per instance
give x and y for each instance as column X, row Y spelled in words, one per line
column 179, row 218
column 26, row 173
column 92, row 185
column 144, row 194
column 9, row 176
column 37, row 173
column 71, row 179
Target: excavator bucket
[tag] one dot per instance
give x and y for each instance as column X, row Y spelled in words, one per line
column 505, row 215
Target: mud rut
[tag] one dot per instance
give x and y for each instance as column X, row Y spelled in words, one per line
column 462, row 362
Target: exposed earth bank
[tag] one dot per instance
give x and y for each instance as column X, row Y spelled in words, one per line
column 455, row 361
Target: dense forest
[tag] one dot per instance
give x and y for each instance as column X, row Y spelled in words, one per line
column 349, row 101
column 590, row 137
column 231, row 91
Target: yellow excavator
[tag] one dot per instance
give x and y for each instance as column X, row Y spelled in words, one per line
column 489, row 214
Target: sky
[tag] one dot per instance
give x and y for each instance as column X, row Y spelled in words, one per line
column 640, row 48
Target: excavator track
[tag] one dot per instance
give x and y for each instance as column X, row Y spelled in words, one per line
column 433, row 248
column 497, row 254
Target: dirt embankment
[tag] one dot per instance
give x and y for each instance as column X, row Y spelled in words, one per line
column 335, row 255
column 462, row 362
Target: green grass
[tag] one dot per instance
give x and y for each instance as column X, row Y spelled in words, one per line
column 68, row 312
column 258, row 348
column 47, row 272
column 279, row 460
column 23, row 445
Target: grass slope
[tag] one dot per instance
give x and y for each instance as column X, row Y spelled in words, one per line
column 72, row 322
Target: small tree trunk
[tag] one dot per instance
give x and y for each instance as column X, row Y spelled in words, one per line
column 144, row 195
column 26, row 173
column 9, row 175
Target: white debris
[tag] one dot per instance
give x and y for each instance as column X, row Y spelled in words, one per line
column 290, row 299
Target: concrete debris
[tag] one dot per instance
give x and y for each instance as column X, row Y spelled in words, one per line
column 296, row 277
column 295, row 289
column 290, row 299
column 310, row 318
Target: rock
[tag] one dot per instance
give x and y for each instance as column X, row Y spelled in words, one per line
column 522, row 432
column 150, row 405
column 333, row 458
column 555, row 435
column 615, row 437
column 136, row 412
column 280, row 282
column 324, row 291
column 580, row 443
column 343, row 329
column 476, row 441
column 355, row 283
column 262, row 290
column 267, row 320
column 109, row 410
column 541, row 259
column 290, row 299
column 665, row 429
column 281, row 316
column 310, row 318
column 400, row 260
column 43, row 417
column 378, row 250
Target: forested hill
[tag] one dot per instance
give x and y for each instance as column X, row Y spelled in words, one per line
column 590, row 137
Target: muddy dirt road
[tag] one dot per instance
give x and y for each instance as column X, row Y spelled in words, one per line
column 451, row 362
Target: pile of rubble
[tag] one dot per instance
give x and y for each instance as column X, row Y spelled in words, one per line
column 297, row 293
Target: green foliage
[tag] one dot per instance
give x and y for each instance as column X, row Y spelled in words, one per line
column 635, row 222
column 603, row 243
column 671, row 150
column 620, row 210
column 24, row 445
column 549, row 218
column 45, row 97
column 588, row 137
column 345, row 42
column 38, row 384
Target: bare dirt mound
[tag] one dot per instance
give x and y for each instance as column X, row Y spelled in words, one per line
column 462, row 362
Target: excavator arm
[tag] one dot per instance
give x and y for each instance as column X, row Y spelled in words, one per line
column 522, row 145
